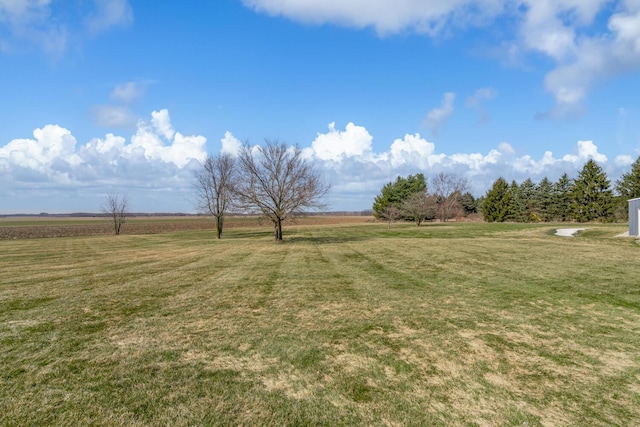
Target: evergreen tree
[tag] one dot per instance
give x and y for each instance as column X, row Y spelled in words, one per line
column 560, row 209
column 393, row 194
column 468, row 203
column 627, row 187
column 543, row 200
column 516, row 206
column 527, row 200
column 592, row 199
column 495, row 207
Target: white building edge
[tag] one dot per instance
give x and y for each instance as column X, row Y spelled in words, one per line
column 634, row 217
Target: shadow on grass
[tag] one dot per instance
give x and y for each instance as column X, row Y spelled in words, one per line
column 323, row 239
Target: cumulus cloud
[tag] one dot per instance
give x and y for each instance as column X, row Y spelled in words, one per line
column 155, row 158
column 439, row 116
column 568, row 32
column 354, row 141
column 230, row 144
column 155, row 165
column 358, row 174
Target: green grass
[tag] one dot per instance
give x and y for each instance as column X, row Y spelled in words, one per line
column 446, row 324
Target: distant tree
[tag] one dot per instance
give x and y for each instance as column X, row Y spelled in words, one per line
column 117, row 208
column 419, row 206
column 560, row 209
column 543, row 200
column 448, row 188
column 214, row 187
column 390, row 214
column 468, row 204
column 497, row 202
column 516, row 203
column 395, row 193
column 278, row 182
column 527, row 201
column 592, row 199
column 627, row 187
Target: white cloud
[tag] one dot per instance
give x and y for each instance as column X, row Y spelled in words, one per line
column 162, row 123
column 385, row 16
column 478, row 98
column 354, row 141
column 54, row 160
column 39, row 23
column 481, row 95
column 568, row 32
column 439, row 116
column 157, row 170
column 506, row 148
column 110, row 116
column 108, row 14
column 230, row 144
column 49, row 144
column 585, row 150
column 127, row 92
column 413, row 149
column 624, row 160
column 148, row 142
column 358, row 175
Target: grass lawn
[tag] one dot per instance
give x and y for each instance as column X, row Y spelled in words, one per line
column 445, row 324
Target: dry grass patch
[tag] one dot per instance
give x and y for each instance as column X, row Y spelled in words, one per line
column 347, row 324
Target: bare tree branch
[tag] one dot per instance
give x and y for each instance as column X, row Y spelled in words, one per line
column 448, row 188
column 214, row 187
column 117, row 208
column 277, row 182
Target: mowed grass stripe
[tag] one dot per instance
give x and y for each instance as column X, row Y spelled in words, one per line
column 337, row 325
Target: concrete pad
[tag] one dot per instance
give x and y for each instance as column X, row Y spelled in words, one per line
column 568, row 232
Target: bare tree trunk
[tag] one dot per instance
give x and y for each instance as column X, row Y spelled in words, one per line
column 277, row 225
column 219, row 224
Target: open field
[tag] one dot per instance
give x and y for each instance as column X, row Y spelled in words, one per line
column 33, row 227
column 340, row 324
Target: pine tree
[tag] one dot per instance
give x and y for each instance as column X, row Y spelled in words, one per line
column 496, row 204
column 628, row 186
column 468, row 203
column 543, row 200
column 393, row 194
column 592, row 199
column 560, row 209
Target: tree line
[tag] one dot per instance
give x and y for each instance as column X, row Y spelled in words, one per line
column 411, row 199
column 588, row 197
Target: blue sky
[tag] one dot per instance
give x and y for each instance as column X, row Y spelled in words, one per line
column 126, row 96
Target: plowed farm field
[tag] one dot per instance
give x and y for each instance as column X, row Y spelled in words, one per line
column 29, row 227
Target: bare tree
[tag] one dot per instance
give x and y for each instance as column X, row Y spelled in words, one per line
column 448, row 188
column 420, row 206
column 117, row 208
column 390, row 214
column 214, row 187
column 276, row 181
